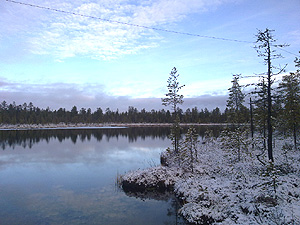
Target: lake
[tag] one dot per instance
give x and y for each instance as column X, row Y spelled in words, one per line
column 69, row 177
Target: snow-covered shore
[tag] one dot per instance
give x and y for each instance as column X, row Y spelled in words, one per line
column 92, row 125
column 223, row 190
column 58, row 126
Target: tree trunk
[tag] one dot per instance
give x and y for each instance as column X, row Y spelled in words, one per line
column 269, row 101
column 251, row 119
column 295, row 136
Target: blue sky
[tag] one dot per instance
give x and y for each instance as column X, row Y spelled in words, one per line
column 60, row 60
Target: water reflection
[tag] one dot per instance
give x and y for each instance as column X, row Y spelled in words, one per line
column 68, row 176
column 66, row 206
column 27, row 138
column 174, row 204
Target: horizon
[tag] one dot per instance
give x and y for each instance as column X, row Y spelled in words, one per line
column 124, row 108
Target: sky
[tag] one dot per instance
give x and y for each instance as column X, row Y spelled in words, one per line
column 109, row 57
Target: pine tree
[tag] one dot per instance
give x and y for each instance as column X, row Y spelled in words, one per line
column 173, row 98
column 289, row 92
column 264, row 48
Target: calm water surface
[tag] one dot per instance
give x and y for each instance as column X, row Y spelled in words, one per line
column 68, row 176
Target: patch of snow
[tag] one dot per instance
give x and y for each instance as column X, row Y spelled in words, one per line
column 152, row 176
column 223, row 190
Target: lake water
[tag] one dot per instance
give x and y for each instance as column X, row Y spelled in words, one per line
column 69, row 176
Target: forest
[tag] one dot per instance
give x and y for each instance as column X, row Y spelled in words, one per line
column 30, row 114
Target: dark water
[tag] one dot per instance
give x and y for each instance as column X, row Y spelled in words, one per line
column 68, row 177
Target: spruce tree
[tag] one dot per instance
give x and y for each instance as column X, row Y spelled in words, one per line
column 235, row 101
column 261, row 109
column 289, row 92
column 189, row 150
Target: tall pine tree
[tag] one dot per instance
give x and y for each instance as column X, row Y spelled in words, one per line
column 265, row 48
column 173, row 99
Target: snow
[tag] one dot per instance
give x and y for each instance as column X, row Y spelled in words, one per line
column 60, row 126
column 223, row 190
column 152, row 176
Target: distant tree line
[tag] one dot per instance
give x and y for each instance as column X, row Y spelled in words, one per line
column 30, row 114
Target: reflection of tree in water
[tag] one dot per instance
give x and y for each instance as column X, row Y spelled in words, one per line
column 162, row 196
column 27, row 138
column 173, row 212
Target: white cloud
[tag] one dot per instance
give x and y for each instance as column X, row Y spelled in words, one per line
column 88, row 37
column 168, row 11
column 206, row 87
column 67, row 35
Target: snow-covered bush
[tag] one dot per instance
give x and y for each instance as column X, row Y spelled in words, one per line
column 157, row 178
column 236, row 142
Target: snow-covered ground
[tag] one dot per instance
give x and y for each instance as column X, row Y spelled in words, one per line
column 93, row 125
column 225, row 190
column 61, row 126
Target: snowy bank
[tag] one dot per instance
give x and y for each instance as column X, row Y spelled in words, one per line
column 94, row 125
column 59, row 126
column 156, row 178
column 224, row 190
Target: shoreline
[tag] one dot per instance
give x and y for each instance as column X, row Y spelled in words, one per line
column 223, row 190
column 74, row 126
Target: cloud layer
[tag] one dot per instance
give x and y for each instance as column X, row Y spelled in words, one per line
column 63, row 95
column 64, row 35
